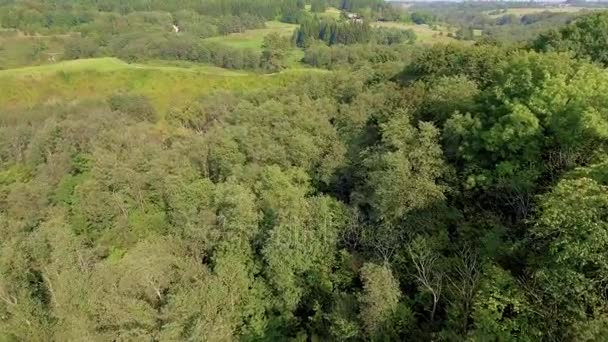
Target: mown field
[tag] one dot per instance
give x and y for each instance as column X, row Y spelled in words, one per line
column 166, row 85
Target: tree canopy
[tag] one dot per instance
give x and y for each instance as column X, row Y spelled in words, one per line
column 377, row 190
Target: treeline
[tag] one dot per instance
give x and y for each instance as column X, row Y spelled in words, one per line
column 347, row 32
column 355, row 56
column 357, row 5
column 62, row 20
column 147, row 35
column 584, row 38
column 268, row 9
column 513, row 29
column 168, row 47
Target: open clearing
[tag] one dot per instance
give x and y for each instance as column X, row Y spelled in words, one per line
column 108, row 64
column 254, row 39
column 331, row 12
column 97, row 78
column 424, row 33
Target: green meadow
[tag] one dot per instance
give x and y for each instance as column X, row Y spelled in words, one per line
column 253, row 39
column 167, row 85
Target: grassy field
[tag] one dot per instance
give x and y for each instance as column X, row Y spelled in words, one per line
column 329, row 12
column 332, row 12
column 424, row 33
column 108, row 64
column 253, row 39
column 166, row 85
column 528, row 10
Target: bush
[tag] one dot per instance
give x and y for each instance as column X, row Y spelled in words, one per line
column 135, row 106
column 80, row 48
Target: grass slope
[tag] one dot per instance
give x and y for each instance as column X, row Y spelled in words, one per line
column 253, row 39
column 166, row 85
column 107, row 64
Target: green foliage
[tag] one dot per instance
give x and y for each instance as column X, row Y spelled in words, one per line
column 135, row 106
column 463, row 198
column 439, row 104
column 535, row 110
column 391, row 36
column 318, row 6
column 356, row 5
column 274, row 50
column 585, row 38
column 478, row 63
column 403, row 177
column 379, row 300
column 330, row 31
column 80, row 48
column 354, row 56
column 572, row 232
column 501, row 310
column 422, row 18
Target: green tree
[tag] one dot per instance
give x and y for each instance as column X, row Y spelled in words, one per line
column 379, row 299
column 318, row 6
column 136, row 106
column 537, row 107
column 404, row 176
column 573, row 233
column 274, row 51
column 584, row 37
column 501, row 310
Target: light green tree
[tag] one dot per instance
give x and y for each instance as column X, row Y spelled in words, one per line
column 380, row 298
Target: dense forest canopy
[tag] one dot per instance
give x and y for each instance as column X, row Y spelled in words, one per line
column 344, row 182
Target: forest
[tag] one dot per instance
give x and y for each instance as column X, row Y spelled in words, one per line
column 295, row 170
